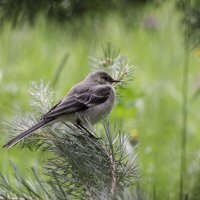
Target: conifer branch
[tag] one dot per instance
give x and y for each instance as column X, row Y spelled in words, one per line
column 115, row 64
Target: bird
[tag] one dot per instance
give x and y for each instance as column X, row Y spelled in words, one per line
column 91, row 99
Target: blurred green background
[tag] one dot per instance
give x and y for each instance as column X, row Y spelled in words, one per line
column 152, row 35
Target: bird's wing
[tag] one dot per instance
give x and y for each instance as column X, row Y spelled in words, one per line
column 80, row 101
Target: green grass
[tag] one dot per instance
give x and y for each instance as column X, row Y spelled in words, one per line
column 152, row 103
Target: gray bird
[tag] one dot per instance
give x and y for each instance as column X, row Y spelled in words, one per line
column 91, row 100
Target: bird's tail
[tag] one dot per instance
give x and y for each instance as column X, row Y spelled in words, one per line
column 26, row 133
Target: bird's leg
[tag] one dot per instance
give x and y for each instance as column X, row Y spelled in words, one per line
column 80, row 125
column 65, row 124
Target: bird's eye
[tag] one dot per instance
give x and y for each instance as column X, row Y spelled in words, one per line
column 106, row 78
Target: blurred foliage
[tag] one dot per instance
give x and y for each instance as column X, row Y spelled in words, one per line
column 191, row 10
column 62, row 10
column 195, row 190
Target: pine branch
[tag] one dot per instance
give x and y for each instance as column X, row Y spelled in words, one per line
column 25, row 188
column 82, row 167
column 114, row 64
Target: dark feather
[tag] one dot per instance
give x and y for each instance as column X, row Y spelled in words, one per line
column 26, row 133
column 79, row 102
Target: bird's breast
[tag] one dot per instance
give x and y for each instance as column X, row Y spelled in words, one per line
column 98, row 112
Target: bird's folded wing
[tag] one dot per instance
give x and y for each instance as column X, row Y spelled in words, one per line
column 79, row 101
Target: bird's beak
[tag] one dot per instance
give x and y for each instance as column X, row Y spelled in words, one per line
column 115, row 81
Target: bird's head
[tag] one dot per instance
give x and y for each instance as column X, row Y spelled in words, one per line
column 101, row 77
